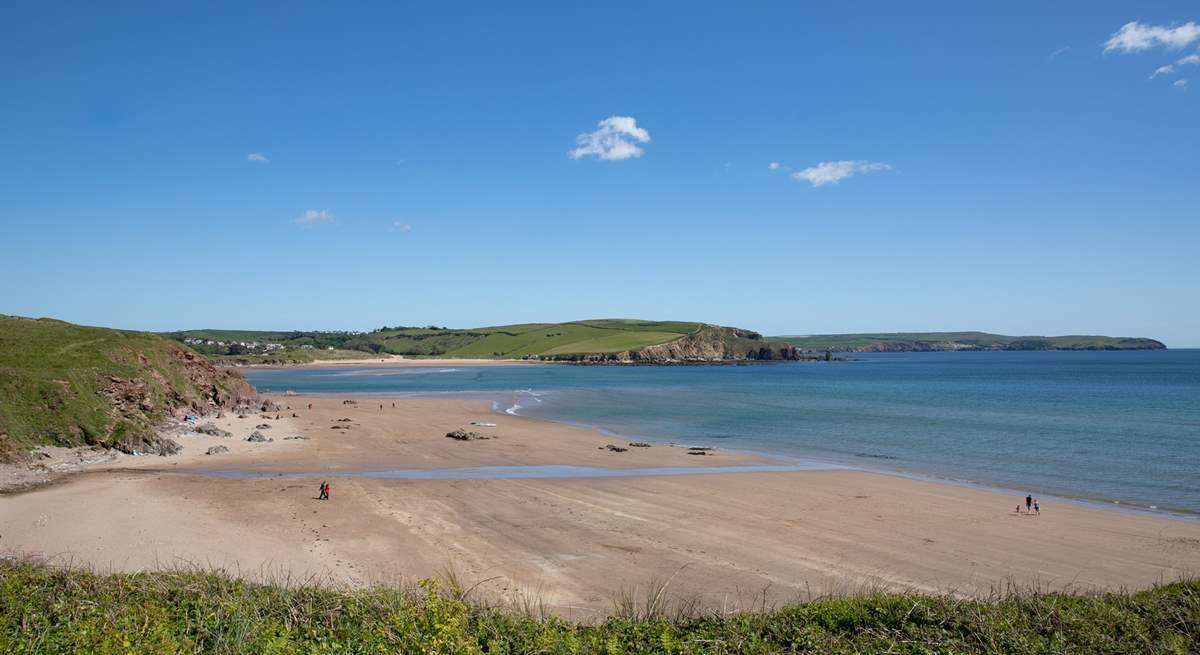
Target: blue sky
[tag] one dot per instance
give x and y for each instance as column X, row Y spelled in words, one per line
column 1012, row 168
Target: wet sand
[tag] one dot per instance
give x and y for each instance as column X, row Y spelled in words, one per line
column 728, row 540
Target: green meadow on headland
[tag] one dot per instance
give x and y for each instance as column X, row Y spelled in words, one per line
column 49, row 610
column 938, row 341
column 593, row 340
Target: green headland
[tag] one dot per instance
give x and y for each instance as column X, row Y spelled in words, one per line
column 619, row 340
column 71, row 385
column 940, row 341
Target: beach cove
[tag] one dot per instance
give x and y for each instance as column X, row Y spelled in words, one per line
column 575, row 543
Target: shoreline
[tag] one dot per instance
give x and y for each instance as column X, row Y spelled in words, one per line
column 803, row 460
column 575, row 542
column 394, row 360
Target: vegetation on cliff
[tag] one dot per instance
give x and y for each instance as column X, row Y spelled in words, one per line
column 47, row 610
column 940, row 341
column 595, row 340
column 71, row 385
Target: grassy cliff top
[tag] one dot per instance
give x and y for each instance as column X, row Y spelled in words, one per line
column 45, row 610
column 71, row 385
column 965, row 340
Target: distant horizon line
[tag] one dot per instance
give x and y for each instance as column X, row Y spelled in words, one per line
column 765, row 334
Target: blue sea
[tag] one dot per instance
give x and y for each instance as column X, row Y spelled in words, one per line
column 1109, row 427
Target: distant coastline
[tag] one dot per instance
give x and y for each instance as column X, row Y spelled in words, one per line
column 956, row 341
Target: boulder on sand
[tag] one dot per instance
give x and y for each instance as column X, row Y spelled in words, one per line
column 263, row 426
column 463, row 435
column 257, row 437
column 216, row 450
column 211, row 428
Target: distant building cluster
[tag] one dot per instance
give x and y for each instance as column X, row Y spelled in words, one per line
column 249, row 345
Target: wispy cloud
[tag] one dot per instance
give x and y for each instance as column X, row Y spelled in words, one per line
column 258, row 158
column 313, row 217
column 1136, row 37
column 398, row 226
column 1162, row 70
column 774, row 166
column 1060, row 52
column 832, row 172
column 616, row 139
column 1170, row 69
column 1180, row 84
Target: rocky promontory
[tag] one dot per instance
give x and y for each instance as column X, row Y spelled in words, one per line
column 707, row 345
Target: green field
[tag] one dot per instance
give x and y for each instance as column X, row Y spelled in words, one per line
column 504, row 341
column 51, row 611
column 64, row 384
column 906, row 341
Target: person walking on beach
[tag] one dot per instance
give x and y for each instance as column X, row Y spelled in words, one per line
column 1028, row 502
column 324, row 495
column 1037, row 509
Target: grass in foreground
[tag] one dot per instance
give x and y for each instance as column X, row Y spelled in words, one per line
column 47, row 610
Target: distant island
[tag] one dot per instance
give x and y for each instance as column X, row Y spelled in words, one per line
column 600, row 341
column 947, row 341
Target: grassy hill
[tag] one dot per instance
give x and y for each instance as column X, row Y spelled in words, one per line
column 591, row 340
column 71, row 385
column 937, row 341
column 45, row 610
column 539, row 339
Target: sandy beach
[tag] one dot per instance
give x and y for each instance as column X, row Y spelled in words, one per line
column 401, row 361
column 726, row 540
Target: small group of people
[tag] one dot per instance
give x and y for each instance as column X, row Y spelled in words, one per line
column 324, row 495
column 1031, row 505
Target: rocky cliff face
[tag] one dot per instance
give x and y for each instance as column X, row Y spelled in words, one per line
column 73, row 385
column 181, row 383
column 709, row 344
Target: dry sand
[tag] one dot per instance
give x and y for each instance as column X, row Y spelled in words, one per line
column 400, row 360
column 728, row 539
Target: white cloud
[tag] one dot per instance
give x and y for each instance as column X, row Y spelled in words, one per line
column 1060, row 52
column 1162, row 70
column 1170, row 69
column 313, row 217
column 397, row 226
column 258, row 158
column 1135, row 37
column 615, row 140
column 774, row 166
column 1182, row 84
column 831, row 172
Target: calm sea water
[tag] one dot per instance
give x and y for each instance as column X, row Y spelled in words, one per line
column 1104, row 426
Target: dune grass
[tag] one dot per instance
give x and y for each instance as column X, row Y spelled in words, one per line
column 54, row 610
